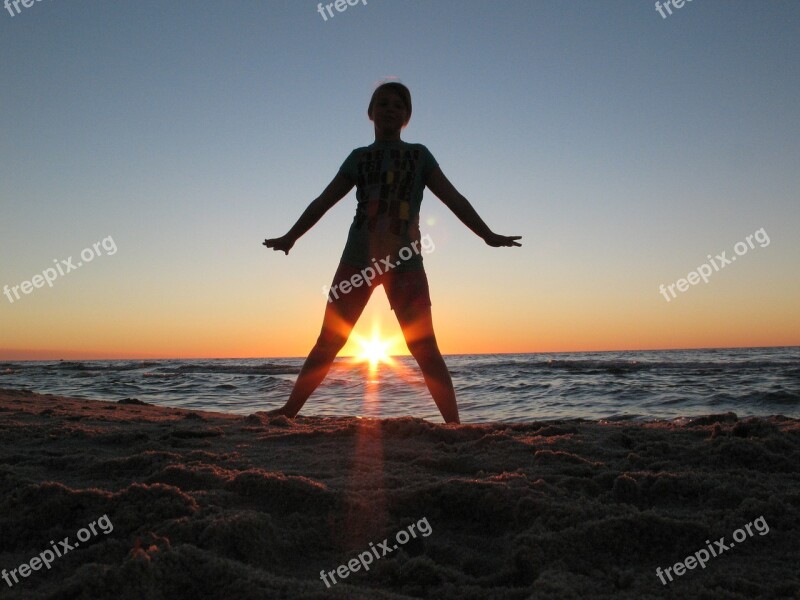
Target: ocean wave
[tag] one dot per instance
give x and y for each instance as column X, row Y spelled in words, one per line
column 780, row 398
column 661, row 384
column 267, row 369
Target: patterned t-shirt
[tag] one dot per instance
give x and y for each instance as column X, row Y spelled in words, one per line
column 390, row 178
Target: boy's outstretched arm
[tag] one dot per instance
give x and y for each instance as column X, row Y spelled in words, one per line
column 337, row 189
column 452, row 199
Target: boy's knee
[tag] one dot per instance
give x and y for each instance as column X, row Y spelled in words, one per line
column 423, row 347
column 331, row 341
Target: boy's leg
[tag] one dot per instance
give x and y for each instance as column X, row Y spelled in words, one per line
column 340, row 317
column 410, row 299
column 417, row 325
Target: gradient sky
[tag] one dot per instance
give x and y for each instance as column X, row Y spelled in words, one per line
column 623, row 147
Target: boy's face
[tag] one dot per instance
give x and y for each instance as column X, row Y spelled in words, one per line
column 389, row 112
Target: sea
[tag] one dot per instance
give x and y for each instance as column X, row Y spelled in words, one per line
column 639, row 385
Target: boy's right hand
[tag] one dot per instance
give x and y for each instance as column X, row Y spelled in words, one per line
column 284, row 243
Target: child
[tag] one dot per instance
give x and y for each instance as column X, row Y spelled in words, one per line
column 390, row 176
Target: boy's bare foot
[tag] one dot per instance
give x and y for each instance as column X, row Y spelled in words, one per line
column 277, row 416
column 275, row 412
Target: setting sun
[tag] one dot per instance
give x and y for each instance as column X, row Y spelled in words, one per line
column 375, row 350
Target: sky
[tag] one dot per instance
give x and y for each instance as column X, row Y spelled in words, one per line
column 626, row 148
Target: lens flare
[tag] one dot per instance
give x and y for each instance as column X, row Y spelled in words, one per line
column 375, row 350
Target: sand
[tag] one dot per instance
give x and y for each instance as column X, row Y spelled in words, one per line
column 211, row 505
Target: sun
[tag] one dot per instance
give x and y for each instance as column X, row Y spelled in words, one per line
column 375, row 350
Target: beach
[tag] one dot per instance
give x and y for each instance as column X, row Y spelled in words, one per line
column 212, row 505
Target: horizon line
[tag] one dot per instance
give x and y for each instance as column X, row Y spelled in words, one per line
column 143, row 358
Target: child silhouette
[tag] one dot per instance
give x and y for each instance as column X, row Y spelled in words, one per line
column 390, row 176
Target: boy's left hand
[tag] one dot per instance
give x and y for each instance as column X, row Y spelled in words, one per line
column 496, row 240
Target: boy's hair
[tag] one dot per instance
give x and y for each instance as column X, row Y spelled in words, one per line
column 399, row 89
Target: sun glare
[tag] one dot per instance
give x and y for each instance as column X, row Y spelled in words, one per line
column 375, row 350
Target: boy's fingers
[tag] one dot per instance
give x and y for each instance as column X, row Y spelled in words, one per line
column 278, row 245
column 504, row 240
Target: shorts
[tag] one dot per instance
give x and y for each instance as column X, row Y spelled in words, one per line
column 403, row 288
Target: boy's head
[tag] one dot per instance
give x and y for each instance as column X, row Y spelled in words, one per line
column 389, row 91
